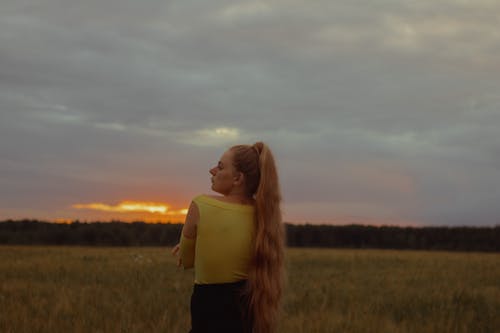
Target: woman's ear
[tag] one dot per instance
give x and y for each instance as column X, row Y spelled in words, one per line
column 239, row 178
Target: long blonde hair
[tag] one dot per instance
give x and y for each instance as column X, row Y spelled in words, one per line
column 266, row 276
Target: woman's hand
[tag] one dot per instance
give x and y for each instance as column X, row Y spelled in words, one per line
column 175, row 253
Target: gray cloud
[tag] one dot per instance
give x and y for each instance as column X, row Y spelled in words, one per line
column 381, row 110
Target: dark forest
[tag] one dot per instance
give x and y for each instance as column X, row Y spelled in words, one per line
column 116, row 233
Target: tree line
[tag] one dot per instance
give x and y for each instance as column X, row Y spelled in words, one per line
column 116, row 233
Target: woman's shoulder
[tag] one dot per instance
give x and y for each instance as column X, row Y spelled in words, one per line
column 219, row 201
column 208, row 198
column 203, row 197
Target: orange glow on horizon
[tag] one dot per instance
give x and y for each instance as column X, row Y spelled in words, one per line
column 129, row 206
column 62, row 220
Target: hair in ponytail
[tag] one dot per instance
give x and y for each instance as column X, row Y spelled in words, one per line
column 266, row 276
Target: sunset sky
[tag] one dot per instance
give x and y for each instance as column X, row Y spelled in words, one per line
column 378, row 112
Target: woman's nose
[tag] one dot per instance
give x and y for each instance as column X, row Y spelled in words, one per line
column 212, row 171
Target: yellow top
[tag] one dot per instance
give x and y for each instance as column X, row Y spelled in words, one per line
column 222, row 249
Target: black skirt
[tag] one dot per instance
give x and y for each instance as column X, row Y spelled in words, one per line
column 219, row 308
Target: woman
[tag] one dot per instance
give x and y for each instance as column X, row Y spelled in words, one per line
column 235, row 242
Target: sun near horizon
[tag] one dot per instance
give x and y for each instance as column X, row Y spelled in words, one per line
column 132, row 210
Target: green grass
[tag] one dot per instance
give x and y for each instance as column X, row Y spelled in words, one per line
column 86, row 289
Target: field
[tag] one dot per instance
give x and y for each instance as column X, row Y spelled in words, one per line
column 87, row 289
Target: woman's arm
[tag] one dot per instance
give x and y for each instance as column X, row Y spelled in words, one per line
column 186, row 247
column 192, row 217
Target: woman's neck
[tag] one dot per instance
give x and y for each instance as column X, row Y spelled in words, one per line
column 239, row 198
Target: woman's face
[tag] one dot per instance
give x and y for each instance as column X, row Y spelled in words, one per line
column 224, row 174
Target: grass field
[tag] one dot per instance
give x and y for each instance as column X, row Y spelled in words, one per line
column 86, row 289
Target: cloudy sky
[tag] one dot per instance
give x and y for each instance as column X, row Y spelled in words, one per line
column 378, row 112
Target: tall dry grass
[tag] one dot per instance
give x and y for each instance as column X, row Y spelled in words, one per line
column 392, row 291
column 86, row 289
